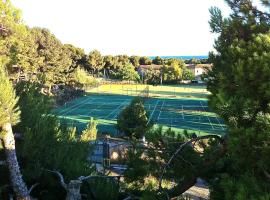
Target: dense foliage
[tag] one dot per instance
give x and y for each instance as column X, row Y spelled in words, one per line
column 35, row 54
column 43, row 70
column 43, row 149
column 239, row 83
column 169, row 164
column 133, row 120
column 9, row 111
column 90, row 133
column 10, row 115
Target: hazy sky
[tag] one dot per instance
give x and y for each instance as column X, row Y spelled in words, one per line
column 133, row 27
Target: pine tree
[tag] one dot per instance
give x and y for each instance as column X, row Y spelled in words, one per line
column 95, row 61
column 10, row 115
column 239, row 83
column 90, row 133
column 133, row 120
column 128, row 73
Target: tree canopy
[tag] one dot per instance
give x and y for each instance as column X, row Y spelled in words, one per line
column 133, row 120
column 239, row 86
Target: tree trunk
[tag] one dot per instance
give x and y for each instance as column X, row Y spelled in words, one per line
column 181, row 188
column 18, row 185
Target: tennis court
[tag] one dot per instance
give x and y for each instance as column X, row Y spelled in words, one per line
column 169, row 107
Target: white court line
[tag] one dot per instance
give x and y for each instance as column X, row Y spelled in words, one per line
column 207, row 116
column 160, row 110
column 219, row 123
column 83, row 115
column 87, row 98
column 77, row 106
column 73, row 123
column 183, row 113
column 92, row 110
column 152, row 112
column 71, row 106
column 169, row 118
column 116, row 109
column 194, row 106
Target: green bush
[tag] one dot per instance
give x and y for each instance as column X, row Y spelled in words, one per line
column 101, row 189
column 133, row 120
column 83, row 79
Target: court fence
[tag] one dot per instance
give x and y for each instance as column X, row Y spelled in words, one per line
column 150, row 91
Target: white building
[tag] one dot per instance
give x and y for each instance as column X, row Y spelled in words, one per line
column 198, row 70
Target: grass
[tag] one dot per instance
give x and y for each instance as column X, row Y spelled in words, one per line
column 176, row 107
column 155, row 91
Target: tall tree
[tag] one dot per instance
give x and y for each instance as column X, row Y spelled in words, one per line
column 128, row 73
column 47, row 148
column 10, row 115
column 11, row 29
column 17, row 47
column 90, row 133
column 135, row 61
column 77, row 55
column 145, row 60
column 239, row 83
column 95, row 61
column 57, row 63
column 158, row 61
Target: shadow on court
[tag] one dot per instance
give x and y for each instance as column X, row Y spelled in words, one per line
column 181, row 113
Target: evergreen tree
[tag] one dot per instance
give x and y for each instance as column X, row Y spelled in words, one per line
column 170, row 163
column 77, row 55
column 56, row 61
column 95, row 61
column 134, row 60
column 128, row 73
column 133, row 120
column 47, row 145
column 17, row 47
column 10, row 115
column 90, row 133
column 158, row 61
column 239, row 83
column 145, row 60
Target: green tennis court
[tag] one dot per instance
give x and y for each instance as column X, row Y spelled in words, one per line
column 176, row 109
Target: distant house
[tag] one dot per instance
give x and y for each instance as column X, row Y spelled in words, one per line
column 198, row 70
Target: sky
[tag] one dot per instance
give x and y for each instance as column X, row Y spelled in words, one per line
column 132, row 27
